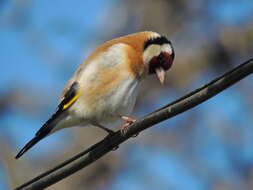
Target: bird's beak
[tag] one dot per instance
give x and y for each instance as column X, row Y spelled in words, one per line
column 160, row 73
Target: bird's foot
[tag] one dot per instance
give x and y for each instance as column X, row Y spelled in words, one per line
column 125, row 127
column 109, row 131
column 128, row 119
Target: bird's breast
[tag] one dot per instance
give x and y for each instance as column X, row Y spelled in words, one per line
column 109, row 94
column 104, row 105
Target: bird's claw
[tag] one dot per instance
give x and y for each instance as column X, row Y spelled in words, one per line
column 125, row 128
column 128, row 119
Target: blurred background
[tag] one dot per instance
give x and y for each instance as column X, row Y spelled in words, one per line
column 206, row 148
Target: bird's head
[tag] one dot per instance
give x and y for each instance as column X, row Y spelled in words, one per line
column 158, row 56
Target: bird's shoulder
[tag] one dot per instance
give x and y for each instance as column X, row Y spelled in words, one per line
column 131, row 45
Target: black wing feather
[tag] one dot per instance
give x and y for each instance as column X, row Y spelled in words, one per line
column 49, row 125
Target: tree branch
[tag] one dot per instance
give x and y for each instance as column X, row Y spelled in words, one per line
column 98, row 150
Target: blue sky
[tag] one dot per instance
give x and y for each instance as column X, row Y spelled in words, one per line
column 60, row 25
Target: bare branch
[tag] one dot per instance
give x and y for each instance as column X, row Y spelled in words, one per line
column 98, row 150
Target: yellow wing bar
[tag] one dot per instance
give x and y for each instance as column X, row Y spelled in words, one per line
column 71, row 101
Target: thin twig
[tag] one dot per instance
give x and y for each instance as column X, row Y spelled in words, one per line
column 98, row 150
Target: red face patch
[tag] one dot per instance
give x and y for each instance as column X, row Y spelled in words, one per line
column 163, row 60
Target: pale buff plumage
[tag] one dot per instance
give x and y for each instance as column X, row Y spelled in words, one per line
column 115, row 63
column 105, row 86
column 134, row 47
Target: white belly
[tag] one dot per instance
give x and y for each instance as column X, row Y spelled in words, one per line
column 109, row 88
column 119, row 102
column 122, row 99
column 107, row 109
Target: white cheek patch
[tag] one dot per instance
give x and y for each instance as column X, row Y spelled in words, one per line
column 167, row 48
column 150, row 52
column 155, row 50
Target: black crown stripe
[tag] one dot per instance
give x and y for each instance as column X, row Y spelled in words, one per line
column 158, row 40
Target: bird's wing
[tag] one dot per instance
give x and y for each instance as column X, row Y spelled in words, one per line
column 69, row 98
column 70, row 84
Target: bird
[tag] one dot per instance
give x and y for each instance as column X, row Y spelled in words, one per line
column 104, row 87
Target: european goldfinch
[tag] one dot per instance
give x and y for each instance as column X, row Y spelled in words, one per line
column 104, row 87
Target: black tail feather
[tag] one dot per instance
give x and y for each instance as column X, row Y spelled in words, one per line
column 55, row 118
column 43, row 132
column 29, row 145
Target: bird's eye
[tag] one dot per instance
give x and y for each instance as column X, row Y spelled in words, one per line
column 160, row 57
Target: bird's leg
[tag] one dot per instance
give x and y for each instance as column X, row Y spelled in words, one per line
column 109, row 131
column 125, row 126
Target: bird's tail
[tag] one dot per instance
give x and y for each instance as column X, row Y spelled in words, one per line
column 44, row 131
column 52, row 124
column 29, row 145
